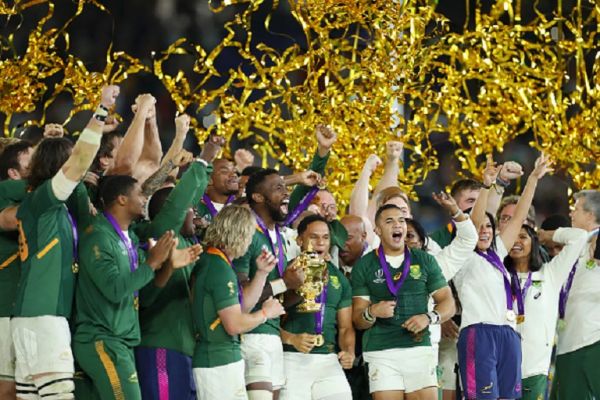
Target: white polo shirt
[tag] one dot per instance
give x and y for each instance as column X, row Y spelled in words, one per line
column 541, row 303
column 480, row 288
column 582, row 315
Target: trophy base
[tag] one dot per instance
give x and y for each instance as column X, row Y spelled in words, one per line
column 308, row 307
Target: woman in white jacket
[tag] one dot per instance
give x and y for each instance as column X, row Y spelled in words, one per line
column 539, row 286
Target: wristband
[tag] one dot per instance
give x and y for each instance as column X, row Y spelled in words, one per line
column 434, row 317
column 278, row 286
column 367, row 315
column 484, row 186
column 501, row 182
column 456, row 214
column 98, row 117
column 201, row 161
column 499, row 189
column 103, row 108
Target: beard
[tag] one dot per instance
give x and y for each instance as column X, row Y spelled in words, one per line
column 275, row 211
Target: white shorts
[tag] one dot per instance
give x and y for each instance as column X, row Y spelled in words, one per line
column 409, row 369
column 7, row 351
column 448, row 359
column 263, row 355
column 314, row 376
column 220, row 383
column 42, row 345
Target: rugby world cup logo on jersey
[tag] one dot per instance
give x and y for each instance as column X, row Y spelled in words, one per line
column 379, row 278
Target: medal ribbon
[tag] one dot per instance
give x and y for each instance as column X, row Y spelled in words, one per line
column 75, row 236
column 521, row 294
column 131, row 252
column 217, row 252
column 320, row 315
column 211, row 207
column 394, row 288
column 279, row 253
column 494, row 259
column 301, row 207
column 564, row 292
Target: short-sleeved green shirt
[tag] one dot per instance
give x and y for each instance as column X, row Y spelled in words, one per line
column 339, row 296
column 215, row 288
column 166, row 313
column 106, row 306
column 247, row 265
column 424, row 278
column 47, row 282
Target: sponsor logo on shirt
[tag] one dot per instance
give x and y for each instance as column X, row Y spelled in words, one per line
column 231, row 289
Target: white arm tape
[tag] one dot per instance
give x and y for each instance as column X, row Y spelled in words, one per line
column 62, row 187
column 91, row 137
column 278, row 286
column 201, row 161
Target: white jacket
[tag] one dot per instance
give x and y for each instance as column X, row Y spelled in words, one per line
column 541, row 304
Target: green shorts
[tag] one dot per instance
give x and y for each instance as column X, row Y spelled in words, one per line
column 534, row 387
column 110, row 365
column 577, row 374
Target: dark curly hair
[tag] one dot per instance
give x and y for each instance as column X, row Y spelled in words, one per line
column 48, row 158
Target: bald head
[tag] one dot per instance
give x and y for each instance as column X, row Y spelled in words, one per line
column 357, row 239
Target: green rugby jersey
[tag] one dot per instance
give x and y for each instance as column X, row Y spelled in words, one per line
column 424, row 278
column 215, row 288
column 12, row 193
column 339, row 296
column 106, row 306
column 47, row 282
column 166, row 313
column 247, row 265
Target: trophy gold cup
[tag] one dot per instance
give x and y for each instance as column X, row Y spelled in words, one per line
column 314, row 273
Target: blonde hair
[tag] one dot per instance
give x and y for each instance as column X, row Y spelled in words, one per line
column 390, row 193
column 231, row 230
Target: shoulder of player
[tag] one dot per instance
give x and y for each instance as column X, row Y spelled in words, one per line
column 418, row 256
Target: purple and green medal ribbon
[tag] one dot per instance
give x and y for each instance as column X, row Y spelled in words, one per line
column 564, row 292
column 280, row 253
column 131, row 252
column 320, row 315
column 495, row 260
column 394, row 287
column 301, row 207
column 211, row 207
column 521, row 293
column 73, row 224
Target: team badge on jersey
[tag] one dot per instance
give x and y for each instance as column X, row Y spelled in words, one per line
column 379, row 276
column 231, row 289
column 415, row 271
column 335, row 282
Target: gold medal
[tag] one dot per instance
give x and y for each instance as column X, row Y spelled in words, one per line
column 520, row 319
column 562, row 324
column 319, row 341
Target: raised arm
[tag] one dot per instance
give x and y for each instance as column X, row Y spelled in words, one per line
column 389, row 178
column 182, row 126
column 326, row 138
column 131, row 149
column 574, row 240
column 510, row 171
column 454, row 256
column 490, row 174
column 510, row 233
column 149, row 160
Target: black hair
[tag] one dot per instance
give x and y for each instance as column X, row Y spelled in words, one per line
column 250, row 170
column 492, row 222
column 112, row 186
column 48, row 158
column 535, row 257
column 157, row 201
column 309, row 219
column 383, row 208
column 556, row 221
column 255, row 182
column 464, row 184
column 420, row 231
column 9, row 158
